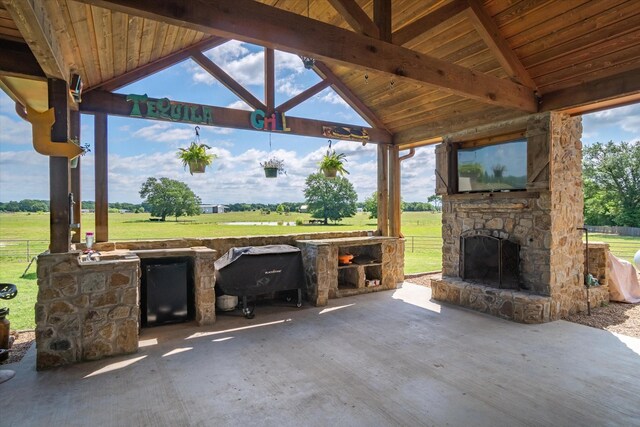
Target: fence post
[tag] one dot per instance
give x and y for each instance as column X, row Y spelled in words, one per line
column 28, row 257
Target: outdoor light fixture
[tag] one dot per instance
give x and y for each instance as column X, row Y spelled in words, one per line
column 75, row 87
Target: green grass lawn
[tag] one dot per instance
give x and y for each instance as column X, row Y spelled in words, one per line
column 423, row 247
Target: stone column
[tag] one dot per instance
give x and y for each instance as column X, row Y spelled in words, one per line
column 204, row 285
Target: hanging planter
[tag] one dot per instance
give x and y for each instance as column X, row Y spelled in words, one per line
column 273, row 167
column 86, row 148
column 333, row 163
column 195, row 155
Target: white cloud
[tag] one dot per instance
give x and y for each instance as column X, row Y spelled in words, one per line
column 14, row 131
column 240, row 105
column 628, row 118
column 330, row 97
column 165, row 132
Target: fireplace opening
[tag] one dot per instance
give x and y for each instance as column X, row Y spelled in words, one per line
column 491, row 261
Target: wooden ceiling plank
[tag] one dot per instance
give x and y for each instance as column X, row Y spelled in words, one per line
column 583, row 98
column 102, row 20
column 161, row 34
column 490, row 33
column 303, row 96
column 350, row 98
column 427, row 22
column 147, row 40
column 78, row 17
column 227, row 80
column 116, row 104
column 584, row 42
column 356, row 17
column 170, row 40
column 32, row 19
column 134, row 39
column 119, row 33
column 256, row 23
column 156, row 66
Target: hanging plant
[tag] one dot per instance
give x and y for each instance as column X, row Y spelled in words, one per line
column 86, row 148
column 273, row 167
column 333, row 163
column 195, row 155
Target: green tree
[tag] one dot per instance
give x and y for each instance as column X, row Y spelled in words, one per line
column 371, row 205
column 611, row 174
column 330, row 199
column 167, row 197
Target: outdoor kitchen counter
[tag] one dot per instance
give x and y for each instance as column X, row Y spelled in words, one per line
column 378, row 264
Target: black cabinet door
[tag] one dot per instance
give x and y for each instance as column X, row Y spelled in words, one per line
column 166, row 293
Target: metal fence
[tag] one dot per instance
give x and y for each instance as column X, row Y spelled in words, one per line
column 21, row 250
column 622, row 231
column 422, row 243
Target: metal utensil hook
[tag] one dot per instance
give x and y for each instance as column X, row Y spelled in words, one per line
column 197, row 129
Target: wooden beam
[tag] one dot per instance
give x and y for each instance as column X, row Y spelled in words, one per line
column 227, row 80
column 269, row 79
column 608, row 92
column 76, row 185
column 349, row 97
column 382, row 18
column 99, row 102
column 383, row 190
column 272, row 27
column 59, row 231
column 101, row 177
column 490, row 33
column 356, row 17
column 17, row 60
column 303, row 96
column 420, row 26
column 153, row 67
column 34, row 24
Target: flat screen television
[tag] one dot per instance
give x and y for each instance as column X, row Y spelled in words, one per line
column 497, row 167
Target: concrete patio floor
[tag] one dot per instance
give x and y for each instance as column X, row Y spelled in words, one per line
column 388, row 358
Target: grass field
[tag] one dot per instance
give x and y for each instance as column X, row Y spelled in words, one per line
column 421, row 229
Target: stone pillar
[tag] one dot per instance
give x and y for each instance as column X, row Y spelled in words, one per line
column 204, row 285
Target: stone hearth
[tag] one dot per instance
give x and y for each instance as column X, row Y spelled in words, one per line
column 542, row 220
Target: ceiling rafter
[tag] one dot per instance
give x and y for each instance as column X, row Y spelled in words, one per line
column 303, row 96
column 382, row 18
column 431, row 20
column 269, row 79
column 279, row 29
column 490, row 33
column 156, row 66
column 356, row 17
column 349, row 97
column 31, row 18
column 226, row 80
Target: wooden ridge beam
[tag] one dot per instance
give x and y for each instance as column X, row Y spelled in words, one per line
column 490, row 33
column 608, row 92
column 33, row 21
column 271, row 27
column 303, row 96
column 349, row 97
column 157, row 65
column 17, row 60
column 269, row 78
column 416, row 28
column 101, row 102
column 356, row 17
column 227, row 80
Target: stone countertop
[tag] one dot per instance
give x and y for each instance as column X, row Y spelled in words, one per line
column 365, row 240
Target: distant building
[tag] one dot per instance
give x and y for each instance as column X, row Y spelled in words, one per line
column 304, row 208
column 211, row 209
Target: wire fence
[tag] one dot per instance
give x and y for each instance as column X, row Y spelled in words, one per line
column 21, row 250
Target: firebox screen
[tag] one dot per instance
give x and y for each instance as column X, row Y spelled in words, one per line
column 499, row 167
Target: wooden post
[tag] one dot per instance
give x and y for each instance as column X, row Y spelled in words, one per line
column 59, row 231
column 394, row 192
column 269, row 79
column 74, row 132
column 102, row 180
column 383, row 189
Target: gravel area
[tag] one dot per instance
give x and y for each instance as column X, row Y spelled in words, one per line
column 20, row 346
column 616, row 317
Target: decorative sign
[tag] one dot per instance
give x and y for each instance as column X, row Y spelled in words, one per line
column 277, row 121
column 169, row 110
column 343, row 132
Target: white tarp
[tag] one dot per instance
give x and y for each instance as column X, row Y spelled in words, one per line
column 623, row 281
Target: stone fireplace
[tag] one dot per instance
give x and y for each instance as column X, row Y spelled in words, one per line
column 517, row 254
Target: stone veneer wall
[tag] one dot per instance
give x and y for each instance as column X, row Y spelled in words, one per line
column 543, row 220
column 85, row 311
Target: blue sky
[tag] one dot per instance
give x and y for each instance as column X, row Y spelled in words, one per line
column 142, row 148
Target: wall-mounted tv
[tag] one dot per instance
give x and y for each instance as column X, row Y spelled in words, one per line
column 498, row 167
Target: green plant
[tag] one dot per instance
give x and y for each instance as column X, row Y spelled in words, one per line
column 196, row 157
column 86, row 148
column 333, row 163
column 273, row 163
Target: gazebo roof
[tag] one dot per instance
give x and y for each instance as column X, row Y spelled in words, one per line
column 416, row 69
